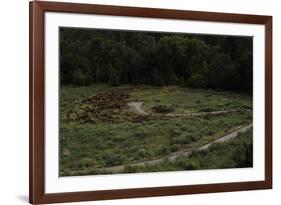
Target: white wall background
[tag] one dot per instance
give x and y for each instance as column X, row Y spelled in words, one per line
column 14, row 101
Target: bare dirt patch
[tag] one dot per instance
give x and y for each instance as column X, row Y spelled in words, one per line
column 105, row 107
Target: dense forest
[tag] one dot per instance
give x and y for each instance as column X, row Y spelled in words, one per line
column 125, row 57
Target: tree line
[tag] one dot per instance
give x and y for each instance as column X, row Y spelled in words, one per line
column 129, row 57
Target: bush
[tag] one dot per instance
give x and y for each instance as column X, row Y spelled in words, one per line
column 181, row 139
column 80, row 79
column 197, row 81
column 175, row 147
column 163, row 109
column 129, row 169
column 207, row 109
column 112, row 159
column 163, row 150
column 140, row 135
column 115, row 81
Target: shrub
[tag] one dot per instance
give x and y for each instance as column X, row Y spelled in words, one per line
column 163, row 150
column 142, row 153
column 175, row 147
column 197, row 81
column 80, row 78
column 115, row 81
column 207, row 109
column 163, row 109
column 129, row 169
column 182, row 139
column 140, row 135
column 112, row 159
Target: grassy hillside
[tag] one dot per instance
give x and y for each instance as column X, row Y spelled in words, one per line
column 99, row 130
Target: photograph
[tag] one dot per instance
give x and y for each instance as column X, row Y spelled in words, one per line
column 132, row 102
column 142, row 101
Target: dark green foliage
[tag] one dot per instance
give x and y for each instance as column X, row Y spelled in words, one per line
column 163, row 109
column 80, row 78
column 112, row 159
column 122, row 57
column 197, row 81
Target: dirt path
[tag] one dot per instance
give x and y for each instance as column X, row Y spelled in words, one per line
column 200, row 113
column 137, row 107
column 174, row 155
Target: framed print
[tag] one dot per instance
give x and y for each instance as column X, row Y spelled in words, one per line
column 139, row 102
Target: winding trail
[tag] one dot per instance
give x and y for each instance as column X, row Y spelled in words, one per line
column 138, row 108
column 194, row 114
column 173, row 156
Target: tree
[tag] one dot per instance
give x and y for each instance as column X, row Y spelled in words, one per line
column 123, row 57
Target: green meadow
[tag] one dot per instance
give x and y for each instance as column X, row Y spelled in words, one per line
column 98, row 130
